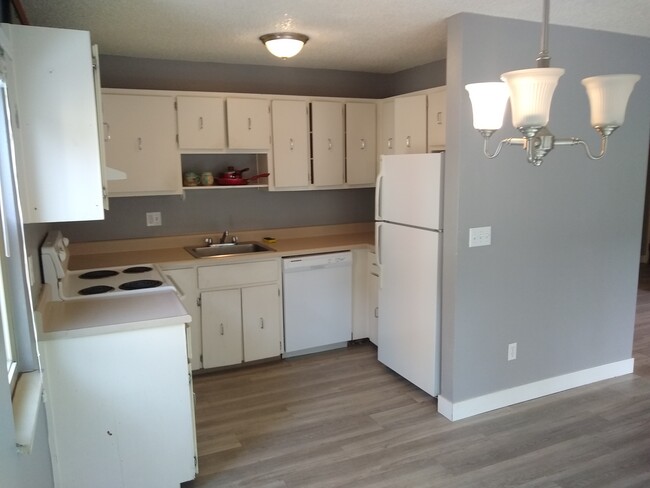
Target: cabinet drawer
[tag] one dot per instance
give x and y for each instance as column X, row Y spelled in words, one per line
column 238, row 274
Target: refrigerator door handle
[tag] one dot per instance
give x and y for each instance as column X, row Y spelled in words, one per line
column 380, row 180
column 378, row 251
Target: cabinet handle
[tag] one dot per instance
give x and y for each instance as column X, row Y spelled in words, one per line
column 139, row 143
column 390, row 143
column 221, row 329
column 250, row 123
column 408, row 141
column 439, row 118
column 329, row 144
column 363, row 144
column 201, row 123
column 376, row 312
column 107, row 131
column 261, row 322
column 290, row 144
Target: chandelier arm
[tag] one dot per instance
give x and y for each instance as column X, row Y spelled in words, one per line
column 511, row 141
column 572, row 141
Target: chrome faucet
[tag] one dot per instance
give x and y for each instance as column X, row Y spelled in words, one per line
column 208, row 241
column 224, row 236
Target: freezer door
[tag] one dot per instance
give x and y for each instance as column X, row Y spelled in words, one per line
column 409, row 190
column 409, row 303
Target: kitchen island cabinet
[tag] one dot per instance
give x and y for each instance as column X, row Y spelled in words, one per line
column 118, row 392
column 184, row 280
column 140, row 135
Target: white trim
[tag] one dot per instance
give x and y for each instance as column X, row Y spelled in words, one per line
column 26, row 406
column 530, row 391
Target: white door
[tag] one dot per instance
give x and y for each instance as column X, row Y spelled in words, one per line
column 328, row 143
column 436, row 113
column 201, row 122
column 290, row 143
column 409, row 304
column 361, row 143
column 249, row 123
column 411, row 124
column 221, row 328
column 401, row 177
column 261, row 322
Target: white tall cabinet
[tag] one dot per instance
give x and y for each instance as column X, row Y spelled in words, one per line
column 140, row 140
column 360, row 143
column 328, row 143
column 54, row 116
column 290, row 143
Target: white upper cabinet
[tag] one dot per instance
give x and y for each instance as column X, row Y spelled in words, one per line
column 361, row 143
column 201, row 122
column 328, row 143
column 54, row 116
column 411, row 124
column 140, row 133
column 387, row 127
column 249, row 123
column 437, row 118
column 290, row 143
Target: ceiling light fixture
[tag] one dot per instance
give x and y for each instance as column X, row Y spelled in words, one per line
column 284, row 44
column 531, row 91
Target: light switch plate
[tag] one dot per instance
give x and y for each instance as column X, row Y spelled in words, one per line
column 154, row 219
column 480, row 236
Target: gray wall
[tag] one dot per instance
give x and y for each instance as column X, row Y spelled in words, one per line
column 560, row 276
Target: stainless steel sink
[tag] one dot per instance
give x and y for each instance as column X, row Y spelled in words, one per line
column 227, row 249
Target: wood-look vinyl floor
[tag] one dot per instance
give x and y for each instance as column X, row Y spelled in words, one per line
column 341, row 419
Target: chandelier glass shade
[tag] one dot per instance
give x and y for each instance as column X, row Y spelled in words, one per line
column 284, row 44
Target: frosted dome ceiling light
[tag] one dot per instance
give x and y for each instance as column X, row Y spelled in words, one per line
column 284, row 44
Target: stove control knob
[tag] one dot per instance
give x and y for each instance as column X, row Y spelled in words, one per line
column 62, row 254
column 66, row 241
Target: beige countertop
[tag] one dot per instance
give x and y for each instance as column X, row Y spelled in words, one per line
column 170, row 250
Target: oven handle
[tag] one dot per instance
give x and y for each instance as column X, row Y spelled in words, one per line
column 179, row 290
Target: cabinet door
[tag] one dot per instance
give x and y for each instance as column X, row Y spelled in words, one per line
column 221, row 328
column 249, row 123
column 57, row 142
column 387, row 135
column 361, row 143
column 411, row 124
column 184, row 280
column 373, row 297
column 261, row 319
column 327, row 143
column 290, row 143
column 201, row 123
column 140, row 133
column 437, row 119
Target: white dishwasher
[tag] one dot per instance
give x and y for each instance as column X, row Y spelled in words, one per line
column 317, row 302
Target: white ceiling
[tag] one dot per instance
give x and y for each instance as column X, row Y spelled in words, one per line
column 380, row 36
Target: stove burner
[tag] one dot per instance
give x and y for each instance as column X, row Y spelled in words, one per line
column 140, row 284
column 99, row 274
column 137, row 269
column 96, row 290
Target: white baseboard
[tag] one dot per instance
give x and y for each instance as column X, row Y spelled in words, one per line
column 530, row 391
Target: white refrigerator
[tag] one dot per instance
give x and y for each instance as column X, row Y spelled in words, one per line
column 408, row 233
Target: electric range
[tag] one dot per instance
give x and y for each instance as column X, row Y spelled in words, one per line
column 103, row 282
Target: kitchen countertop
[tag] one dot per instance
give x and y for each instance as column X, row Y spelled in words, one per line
column 290, row 242
column 93, row 316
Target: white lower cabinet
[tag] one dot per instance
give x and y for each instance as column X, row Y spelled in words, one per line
column 221, row 318
column 241, row 313
column 184, row 280
column 373, row 297
column 120, row 409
